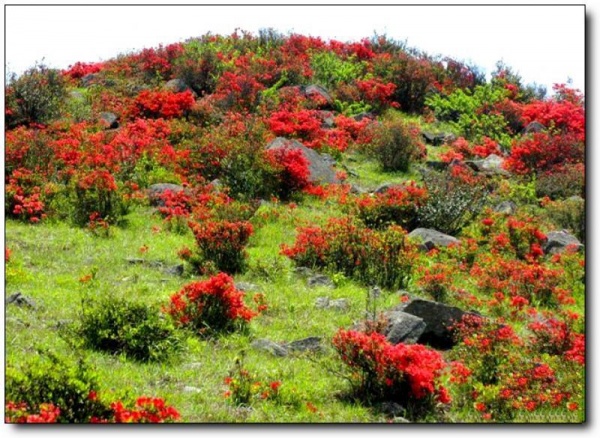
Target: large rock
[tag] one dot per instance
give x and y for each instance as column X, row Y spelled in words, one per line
column 320, row 170
column 21, row 300
column 493, row 164
column 269, row 346
column 312, row 343
column 156, row 191
column 176, row 86
column 506, row 207
column 432, row 239
column 404, row 327
column 110, row 120
column 439, row 319
column 534, row 126
column 320, row 94
column 558, row 241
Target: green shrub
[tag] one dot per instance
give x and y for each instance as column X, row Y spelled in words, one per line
column 330, row 70
column 395, row 144
column 568, row 214
column 136, row 330
column 96, row 194
column 452, row 201
column 36, row 96
column 48, row 378
column 563, row 183
column 199, row 66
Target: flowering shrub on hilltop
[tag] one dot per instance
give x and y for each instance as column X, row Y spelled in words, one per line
column 210, row 307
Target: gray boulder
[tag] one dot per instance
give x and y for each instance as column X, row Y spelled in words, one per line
column 21, row 300
column 341, row 304
column 404, row 327
column 534, row 126
column 558, row 241
column 320, row 280
column 506, row 207
column 312, row 343
column 439, row 319
column 319, row 168
column 176, row 86
column 492, row 165
column 318, row 92
column 110, row 120
column 269, row 346
column 155, row 191
column 327, row 119
column 432, row 239
column 246, row 287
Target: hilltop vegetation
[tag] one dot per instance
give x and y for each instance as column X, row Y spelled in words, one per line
column 278, row 228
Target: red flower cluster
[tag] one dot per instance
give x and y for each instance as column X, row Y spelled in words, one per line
column 20, row 413
column 291, row 167
column 210, row 306
column 81, row 69
column 408, row 373
column 165, row 104
column 221, row 243
column 146, row 410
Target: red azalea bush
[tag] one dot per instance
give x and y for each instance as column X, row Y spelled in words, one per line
column 544, row 152
column 211, row 306
column 501, row 377
column 407, row 374
column 165, row 104
column 343, row 245
column 146, row 410
column 20, row 413
column 291, row 170
column 221, row 243
column 397, row 205
column 96, row 191
column 81, row 69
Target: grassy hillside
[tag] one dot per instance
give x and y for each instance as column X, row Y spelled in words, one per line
column 127, row 303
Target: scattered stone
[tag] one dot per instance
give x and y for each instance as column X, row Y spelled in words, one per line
column 320, row 280
column 89, row 79
column 404, row 327
column 269, row 346
column 558, row 241
column 364, row 115
column 175, row 270
column 303, row 271
column 110, row 120
column 357, row 190
column 312, row 343
column 385, row 187
column 246, row 287
column 432, row 239
column 320, row 93
column 506, row 207
column 327, row 119
column 439, row 319
column 176, row 86
column 340, row 304
column 492, row 164
column 434, row 139
column 155, row 191
column 320, row 169
column 21, row 300
column 191, row 389
column 135, row 261
column 392, row 409
column 534, row 126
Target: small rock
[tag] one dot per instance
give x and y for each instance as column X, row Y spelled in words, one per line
column 269, row 346
column 312, row 343
column 322, row 303
column 392, row 409
column 156, row 191
column 432, row 239
column 176, row 86
column 303, row 271
column 320, row 280
column 357, row 190
column 404, row 327
column 191, row 389
column 385, row 187
column 88, row 79
column 558, row 241
column 175, row 270
column 534, row 126
column 440, row 166
column 110, row 120
column 21, row 300
column 506, row 207
column 246, row 287
column 318, row 92
column 339, row 304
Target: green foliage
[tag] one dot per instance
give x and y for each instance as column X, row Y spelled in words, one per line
column 199, row 67
column 395, row 144
column 148, row 171
column 568, row 214
column 37, row 96
column 120, row 326
column 471, row 113
column 451, row 202
column 330, row 70
column 48, row 378
column 561, row 183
